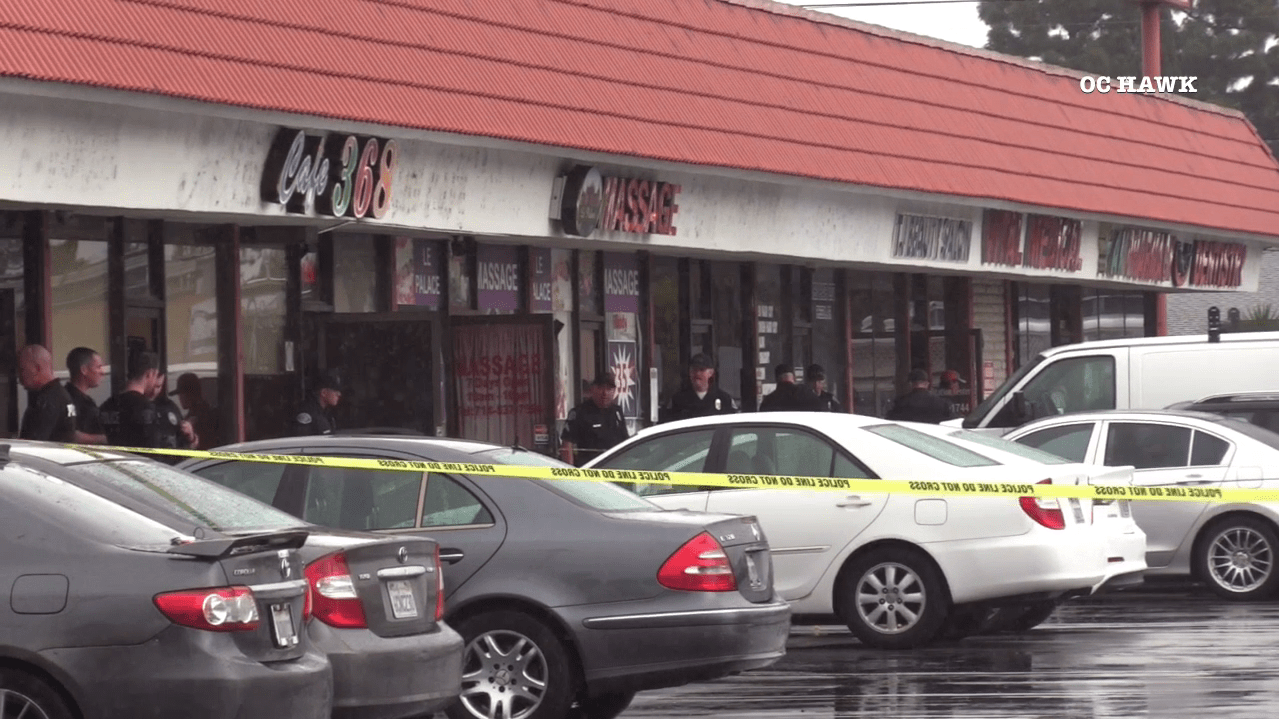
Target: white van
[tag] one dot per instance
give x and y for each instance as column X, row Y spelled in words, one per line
column 1142, row 373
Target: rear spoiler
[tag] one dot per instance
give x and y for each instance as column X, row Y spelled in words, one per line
column 224, row 547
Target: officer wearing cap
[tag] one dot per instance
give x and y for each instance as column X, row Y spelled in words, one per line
column 698, row 398
column 313, row 415
column 815, row 380
column 595, row 425
column 788, row 397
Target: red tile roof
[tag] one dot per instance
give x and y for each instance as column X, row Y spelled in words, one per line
column 741, row 84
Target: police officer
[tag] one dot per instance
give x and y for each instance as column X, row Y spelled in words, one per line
column 85, row 369
column 788, row 397
column 815, row 380
column 50, row 415
column 595, row 425
column 698, row 398
column 129, row 418
column 920, row 404
column 313, row 415
column 172, row 432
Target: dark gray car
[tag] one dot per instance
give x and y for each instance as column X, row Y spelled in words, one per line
column 566, row 592
column 124, row 607
column 374, row 607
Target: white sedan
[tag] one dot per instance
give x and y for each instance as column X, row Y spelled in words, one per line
column 893, row 567
column 1233, row 547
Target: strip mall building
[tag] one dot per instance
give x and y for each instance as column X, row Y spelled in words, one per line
column 473, row 208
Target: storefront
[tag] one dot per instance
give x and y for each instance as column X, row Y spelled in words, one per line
column 470, row 280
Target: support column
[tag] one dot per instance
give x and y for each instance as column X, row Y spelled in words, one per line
column 118, row 346
column 230, row 342
column 844, row 320
column 37, row 278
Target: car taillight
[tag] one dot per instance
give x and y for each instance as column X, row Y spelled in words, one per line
column 334, row 600
column 698, row 566
column 225, row 609
column 1046, row 511
column 439, row 586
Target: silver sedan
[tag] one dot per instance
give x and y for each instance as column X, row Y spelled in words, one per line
column 1233, row 547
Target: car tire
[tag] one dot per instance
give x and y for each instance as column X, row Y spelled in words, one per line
column 1237, row 558
column 604, row 706
column 517, row 661
column 22, row 692
column 893, row 598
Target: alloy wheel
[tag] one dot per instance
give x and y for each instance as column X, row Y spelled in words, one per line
column 504, row 676
column 19, row 706
column 891, row 598
column 1240, row 559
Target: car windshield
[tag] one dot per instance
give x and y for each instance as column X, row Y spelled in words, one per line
column 938, row 448
column 179, row 499
column 980, row 411
column 604, row 496
column 1004, row 445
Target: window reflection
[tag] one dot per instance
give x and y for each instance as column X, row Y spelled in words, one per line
column 78, row 271
column 874, row 344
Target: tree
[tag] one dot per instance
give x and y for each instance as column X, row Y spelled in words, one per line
column 1230, row 45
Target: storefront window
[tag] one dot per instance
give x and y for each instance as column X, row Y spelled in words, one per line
column 137, row 275
column 826, row 330
column 1032, row 320
column 874, row 343
column 665, row 291
column 1113, row 314
column 588, row 285
column 310, row 276
column 79, row 298
column 191, row 315
column 263, row 276
column 355, row 274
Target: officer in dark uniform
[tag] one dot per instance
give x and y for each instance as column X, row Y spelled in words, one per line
column 815, row 381
column 51, row 414
column 595, row 425
column 129, row 418
column 920, row 404
column 788, row 397
column 313, row 415
column 698, row 398
column 172, row 431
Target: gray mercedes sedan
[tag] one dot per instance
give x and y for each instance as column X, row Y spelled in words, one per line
column 569, row 594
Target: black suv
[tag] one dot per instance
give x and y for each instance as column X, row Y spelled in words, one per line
column 1259, row 408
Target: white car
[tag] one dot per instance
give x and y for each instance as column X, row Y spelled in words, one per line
column 893, row 567
column 1231, row 546
column 1126, row 542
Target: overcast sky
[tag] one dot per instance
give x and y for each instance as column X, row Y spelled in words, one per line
column 956, row 22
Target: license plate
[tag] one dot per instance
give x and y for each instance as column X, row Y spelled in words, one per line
column 282, row 626
column 403, row 605
column 1078, row 511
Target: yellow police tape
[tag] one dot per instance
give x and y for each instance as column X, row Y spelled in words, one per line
column 1230, row 491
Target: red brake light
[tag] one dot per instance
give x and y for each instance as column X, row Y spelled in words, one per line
column 698, row 566
column 225, row 609
column 439, row 586
column 1045, row 511
column 334, row 600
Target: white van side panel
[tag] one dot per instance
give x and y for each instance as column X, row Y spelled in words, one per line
column 1164, row 375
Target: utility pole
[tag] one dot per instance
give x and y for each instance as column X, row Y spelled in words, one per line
column 1152, row 66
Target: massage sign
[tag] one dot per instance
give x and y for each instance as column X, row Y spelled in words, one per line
column 1153, row 256
column 336, row 175
column 586, row 200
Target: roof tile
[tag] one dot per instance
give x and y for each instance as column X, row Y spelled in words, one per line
column 707, row 82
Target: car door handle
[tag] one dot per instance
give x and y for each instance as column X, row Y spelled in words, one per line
column 451, row 556
column 853, row 500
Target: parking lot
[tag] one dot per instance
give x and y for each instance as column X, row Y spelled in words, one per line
column 1161, row 652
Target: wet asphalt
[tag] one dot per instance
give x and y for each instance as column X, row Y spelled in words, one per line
column 1166, row 651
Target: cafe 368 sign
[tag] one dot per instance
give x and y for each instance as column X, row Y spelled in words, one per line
column 337, row 175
